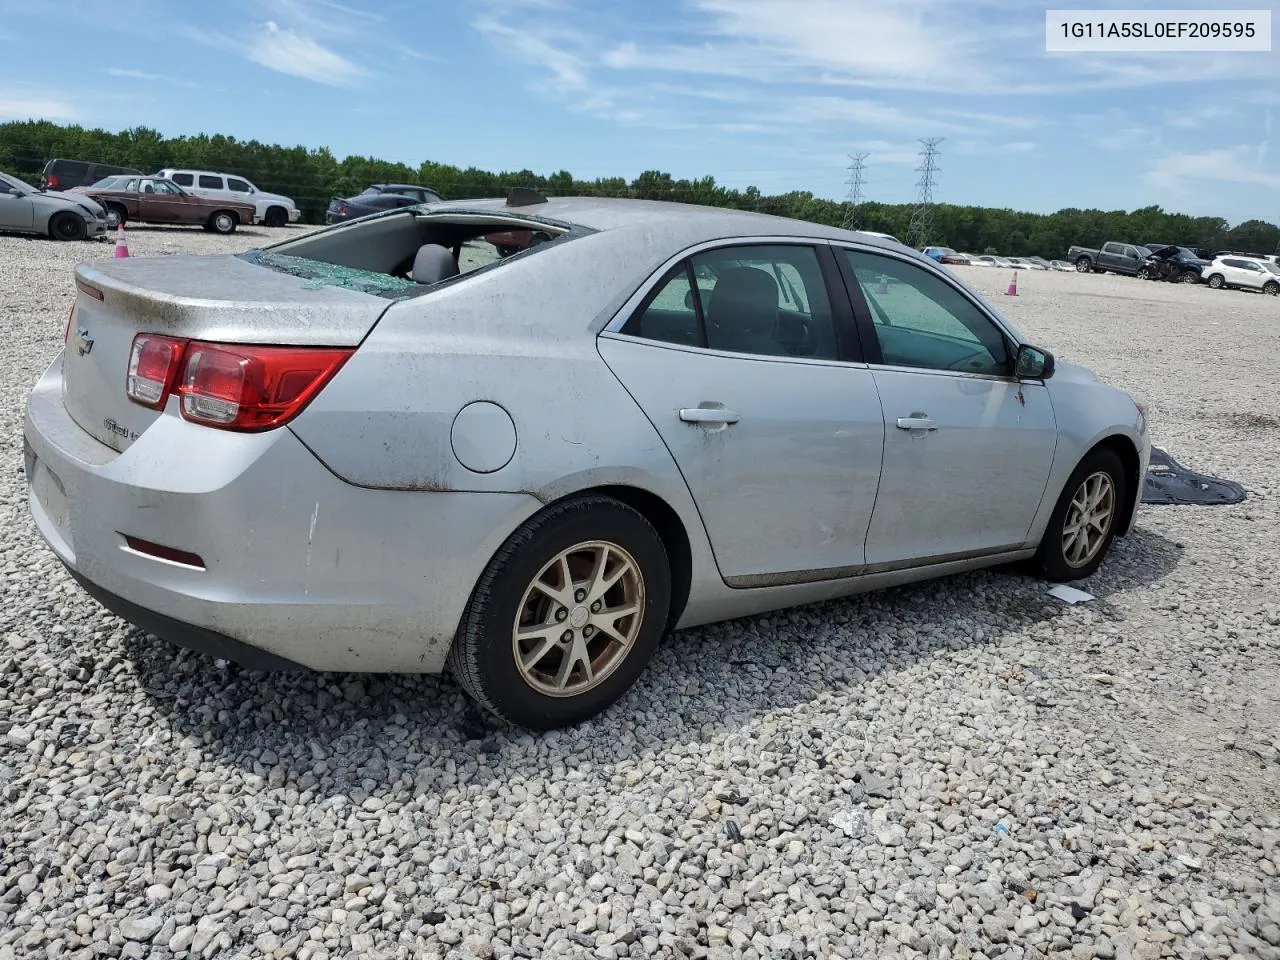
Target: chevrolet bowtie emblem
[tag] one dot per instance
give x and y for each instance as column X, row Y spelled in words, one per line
column 83, row 342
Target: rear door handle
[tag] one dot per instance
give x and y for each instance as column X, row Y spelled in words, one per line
column 708, row 415
column 916, row 421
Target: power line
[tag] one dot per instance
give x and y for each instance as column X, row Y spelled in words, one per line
column 855, row 182
column 921, row 228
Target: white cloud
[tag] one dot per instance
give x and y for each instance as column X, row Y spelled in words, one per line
column 1239, row 164
column 36, row 108
column 134, row 74
column 286, row 51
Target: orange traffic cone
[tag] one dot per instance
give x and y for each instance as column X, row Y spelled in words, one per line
column 1013, row 286
column 122, row 248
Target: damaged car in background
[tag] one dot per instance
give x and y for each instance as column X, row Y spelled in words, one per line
column 1172, row 263
column 59, row 216
column 384, row 446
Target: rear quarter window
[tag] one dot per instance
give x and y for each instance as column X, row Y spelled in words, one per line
column 183, row 179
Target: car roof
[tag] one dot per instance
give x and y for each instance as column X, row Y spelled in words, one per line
column 684, row 223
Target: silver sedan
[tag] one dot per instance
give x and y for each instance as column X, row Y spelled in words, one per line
column 61, row 216
column 384, row 446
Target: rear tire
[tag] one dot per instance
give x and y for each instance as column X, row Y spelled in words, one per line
column 1217, row 281
column 223, row 222
column 1083, row 265
column 535, row 677
column 116, row 215
column 66, row 226
column 1079, row 514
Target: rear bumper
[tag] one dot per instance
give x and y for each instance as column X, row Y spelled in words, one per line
column 299, row 567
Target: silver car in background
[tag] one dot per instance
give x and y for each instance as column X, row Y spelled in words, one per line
column 60, row 216
column 385, row 447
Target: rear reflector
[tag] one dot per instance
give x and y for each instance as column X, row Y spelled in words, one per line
column 235, row 387
column 172, row 554
column 153, row 366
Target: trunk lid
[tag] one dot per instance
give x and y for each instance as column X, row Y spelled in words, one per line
column 224, row 299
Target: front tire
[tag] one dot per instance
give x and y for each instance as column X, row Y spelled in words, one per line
column 1189, row 276
column 223, row 222
column 67, row 226
column 1217, row 281
column 276, row 217
column 1271, row 288
column 566, row 616
column 1144, row 273
column 1083, row 523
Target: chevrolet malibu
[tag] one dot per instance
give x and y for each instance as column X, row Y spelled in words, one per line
column 384, row 446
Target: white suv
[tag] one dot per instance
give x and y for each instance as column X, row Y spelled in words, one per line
column 270, row 208
column 1243, row 272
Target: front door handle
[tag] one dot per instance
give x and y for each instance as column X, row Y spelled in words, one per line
column 917, row 421
column 708, row 415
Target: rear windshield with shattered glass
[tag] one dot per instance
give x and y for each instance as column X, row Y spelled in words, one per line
column 321, row 274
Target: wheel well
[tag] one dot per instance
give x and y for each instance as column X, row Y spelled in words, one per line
column 674, row 538
column 276, row 206
column 231, row 213
column 1128, row 454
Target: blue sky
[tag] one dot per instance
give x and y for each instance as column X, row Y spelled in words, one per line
column 774, row 93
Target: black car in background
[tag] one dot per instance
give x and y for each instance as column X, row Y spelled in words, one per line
column 378, row 197
column 1173, row 263
column 59, row 174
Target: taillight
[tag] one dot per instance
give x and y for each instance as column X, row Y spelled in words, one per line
column 153, row 366
column 53, row 180
column 235, row 387
column 253, row 388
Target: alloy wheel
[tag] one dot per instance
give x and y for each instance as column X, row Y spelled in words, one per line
column 578, row 619
column 1089, row 519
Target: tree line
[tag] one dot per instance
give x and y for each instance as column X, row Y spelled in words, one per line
column 312, row 176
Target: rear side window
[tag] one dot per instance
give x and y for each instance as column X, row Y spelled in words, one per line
column 183, row 179
column 72, row 168
column 759, row 300
column 237, row 185
column 210, row 183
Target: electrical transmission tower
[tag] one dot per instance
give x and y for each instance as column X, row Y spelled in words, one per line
column 854, row 200
column 921, row 228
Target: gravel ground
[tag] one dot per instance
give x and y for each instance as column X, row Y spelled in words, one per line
column 957, row 769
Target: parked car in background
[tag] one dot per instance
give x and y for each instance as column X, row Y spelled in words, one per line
column 377, row 198
column 673, row 458
column 1115, row 257
column 64, row 174
column 1024, row 263
column 106, row 183
column 1060, row 265
column 1244, row 274
column 1039, row 261
column 945, row 255
column 155, row 200
column 976, row 260
column 1175, row 264
column 272, row 209
column 24, row 209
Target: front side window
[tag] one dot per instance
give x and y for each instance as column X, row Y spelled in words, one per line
column 239, row 186
column 760, row 300
column 210, row 183
column 922, row 321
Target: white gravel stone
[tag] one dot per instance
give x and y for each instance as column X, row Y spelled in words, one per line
column 925, row 772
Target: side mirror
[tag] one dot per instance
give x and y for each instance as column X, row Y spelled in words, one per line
column 1032, row 363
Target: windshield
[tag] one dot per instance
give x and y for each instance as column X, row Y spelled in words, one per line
column 1271, row 267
